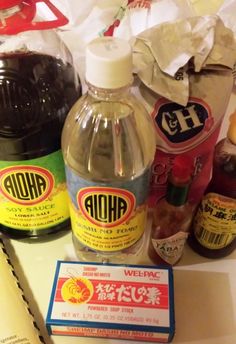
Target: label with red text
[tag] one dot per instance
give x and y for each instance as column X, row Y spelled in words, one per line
column 108, row 217
column 112, row 296
column 171, row 248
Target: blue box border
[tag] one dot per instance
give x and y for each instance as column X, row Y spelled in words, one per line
column 165, row 330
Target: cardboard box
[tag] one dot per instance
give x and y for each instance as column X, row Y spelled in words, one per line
column 112, row 301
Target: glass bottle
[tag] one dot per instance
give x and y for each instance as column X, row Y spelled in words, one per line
column 38, row 86
column 172, row 215
column 214, row 226
column 108, row 144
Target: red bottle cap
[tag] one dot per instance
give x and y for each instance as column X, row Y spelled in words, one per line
column 21, row 18
column 183, row 168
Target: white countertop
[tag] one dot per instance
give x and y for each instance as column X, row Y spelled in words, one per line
column 205, row 297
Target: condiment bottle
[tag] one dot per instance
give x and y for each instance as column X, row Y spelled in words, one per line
column 214, row 226
column 172, row 215
column 38, row 86
column 108, row 144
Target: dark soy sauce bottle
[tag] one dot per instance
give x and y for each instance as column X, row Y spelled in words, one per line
column 38, row 86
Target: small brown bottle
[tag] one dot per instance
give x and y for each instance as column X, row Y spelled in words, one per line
column 172, row 215
column 214, row 226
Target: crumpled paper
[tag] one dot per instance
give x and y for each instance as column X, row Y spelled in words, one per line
column 128, row 18
column 227, row 13
column 121, row 18
column 141, row 15
column 164, row 55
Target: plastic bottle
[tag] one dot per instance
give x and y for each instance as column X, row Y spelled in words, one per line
column 172, row 215
column 214, row 226
column 38, row 86
column 108, row 144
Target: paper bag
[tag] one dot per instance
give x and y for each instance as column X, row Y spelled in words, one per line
column 185, row 74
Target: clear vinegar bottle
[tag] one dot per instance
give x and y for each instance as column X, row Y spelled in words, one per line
column 108, row 145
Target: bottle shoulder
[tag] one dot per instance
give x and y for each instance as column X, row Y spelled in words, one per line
column 166, row 214
column 124, row 98
column 165, row 227
column 225, row 147
column 108, row 139
column 223, row 179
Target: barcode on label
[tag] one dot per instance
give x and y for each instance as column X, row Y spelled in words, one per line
column 216, row 239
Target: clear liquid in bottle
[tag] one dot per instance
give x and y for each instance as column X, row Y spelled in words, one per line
column 108, row 145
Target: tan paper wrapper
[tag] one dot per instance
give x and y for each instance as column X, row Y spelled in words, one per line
column 198, row 44
column 185, row 74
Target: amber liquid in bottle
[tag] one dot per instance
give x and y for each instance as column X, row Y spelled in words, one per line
column 214, row 227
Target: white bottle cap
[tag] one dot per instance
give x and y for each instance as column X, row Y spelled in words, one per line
column 109, row 63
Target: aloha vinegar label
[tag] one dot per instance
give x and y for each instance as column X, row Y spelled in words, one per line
column 33, row 193
column 107, row 217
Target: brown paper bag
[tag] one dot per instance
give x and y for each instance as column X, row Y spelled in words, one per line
column 185, row 74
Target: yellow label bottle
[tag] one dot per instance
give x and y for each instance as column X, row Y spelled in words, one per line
column 214, row 226
column 108, row 144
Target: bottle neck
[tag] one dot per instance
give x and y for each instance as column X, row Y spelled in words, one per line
column 108, row 94
column 177, row 194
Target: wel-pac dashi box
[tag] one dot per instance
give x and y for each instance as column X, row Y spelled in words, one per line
column 112, row 301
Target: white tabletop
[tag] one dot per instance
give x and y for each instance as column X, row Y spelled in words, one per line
column 205, row 297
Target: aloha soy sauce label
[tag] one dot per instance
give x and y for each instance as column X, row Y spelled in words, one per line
column 26, row 185
column 108, row 217
column 33, row 195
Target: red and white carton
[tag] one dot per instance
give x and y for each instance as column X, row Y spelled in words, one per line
column 112, row 301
